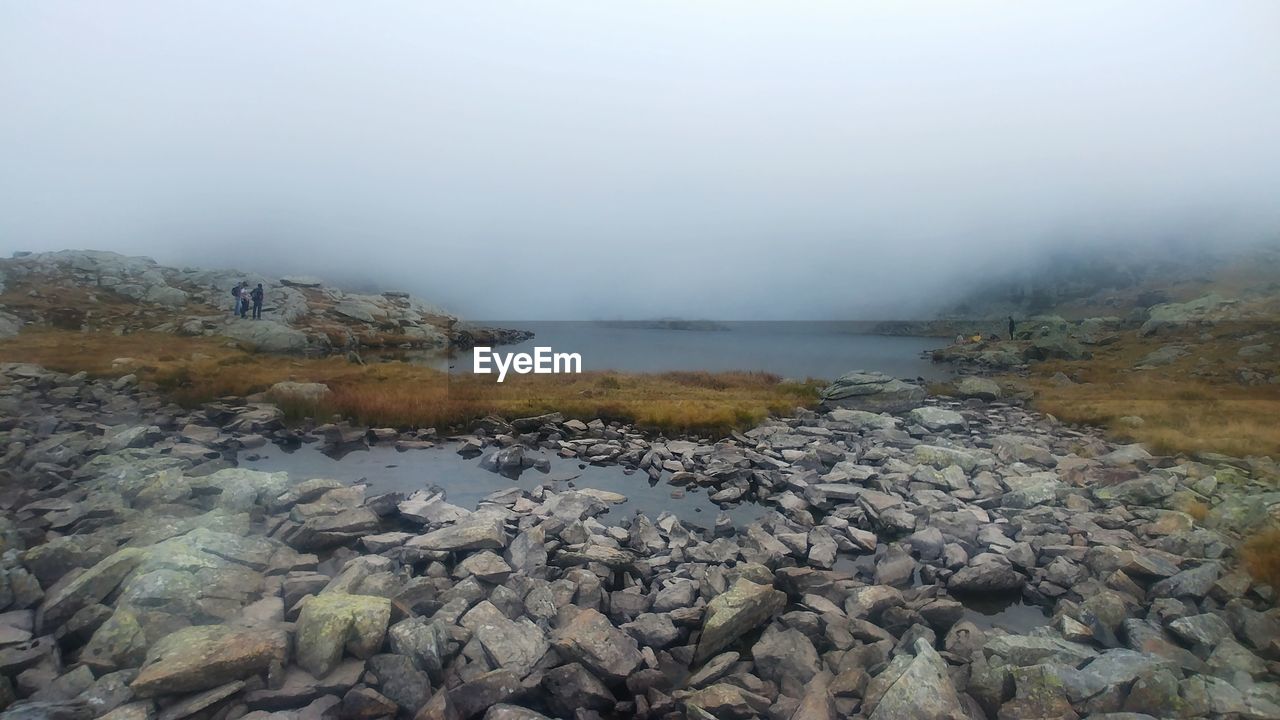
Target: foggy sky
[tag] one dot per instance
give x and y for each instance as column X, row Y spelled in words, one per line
column 571, row 160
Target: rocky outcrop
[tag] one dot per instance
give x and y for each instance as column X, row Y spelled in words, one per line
column 117, row 293
column 872, row 392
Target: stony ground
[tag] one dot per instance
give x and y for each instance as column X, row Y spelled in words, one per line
column 144, row 576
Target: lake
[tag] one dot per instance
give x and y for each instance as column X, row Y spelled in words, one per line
column 797, row 350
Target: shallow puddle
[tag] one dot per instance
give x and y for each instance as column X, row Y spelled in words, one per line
column 465, row 483
column 1006, row 611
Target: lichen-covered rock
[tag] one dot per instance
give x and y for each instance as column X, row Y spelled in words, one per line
column 334, row 622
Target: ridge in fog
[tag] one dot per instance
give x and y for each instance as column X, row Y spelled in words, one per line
column 580, row 160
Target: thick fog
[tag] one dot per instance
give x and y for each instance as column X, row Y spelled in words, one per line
column 572, row 160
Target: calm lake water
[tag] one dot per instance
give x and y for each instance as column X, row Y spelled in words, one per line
column 795, row 350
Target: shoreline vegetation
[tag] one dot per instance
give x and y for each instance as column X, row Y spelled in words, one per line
column 192, row 371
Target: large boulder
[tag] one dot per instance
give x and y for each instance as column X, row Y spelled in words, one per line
column 266, row 336
column 1174, row 315
column 873, row 392
column 979, row 387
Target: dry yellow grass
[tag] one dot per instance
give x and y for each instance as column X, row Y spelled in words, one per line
column 1260, row 555
column 1194, row 404
column 1196, row 509
column 195, row 370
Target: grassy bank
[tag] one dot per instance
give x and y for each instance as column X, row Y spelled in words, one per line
column 196, row 370
column 1196, row 403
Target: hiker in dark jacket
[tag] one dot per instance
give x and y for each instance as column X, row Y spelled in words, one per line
column 256, row 294
column 1011, row 327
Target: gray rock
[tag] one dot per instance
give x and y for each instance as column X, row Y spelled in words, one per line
column 920, row 689
column 872, row 392
column 786, row 657
column 986, row 572
column 589, row 638
column 477, row 532
column 572, row 687
column 733, row 613
column 937, row 419
column 401, row 681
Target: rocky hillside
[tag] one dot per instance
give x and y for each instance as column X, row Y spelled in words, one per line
column 1127, row 284
column 108, row 292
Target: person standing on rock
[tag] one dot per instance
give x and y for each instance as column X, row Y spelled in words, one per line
column 244, row 299
column 257, row 302
column 235, row 304
column 1011, row 327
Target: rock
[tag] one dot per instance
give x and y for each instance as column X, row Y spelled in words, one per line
column 653, row 630
column 817, row 702
column 589, row 638
column 1205, row 630
column 1023, row 650
column 727, row 701
column 786, row 657
column 207, row 656
column 195, row 703
column 941, row 457
column 1195, row 582
column 862, row 420
column 733, row 613
column 872, row 392
column 921, row 689
column 267, row 336
column 362, row 703
column 937, row 419
column 1039, row 694
column 89, row 587
column 979, row 387
column 572, row 686
column 986, row 572
column 484, row 691
column 503, row 711
column 515, row 646
column 330, row 623
column 400, row 681
column 477, row 532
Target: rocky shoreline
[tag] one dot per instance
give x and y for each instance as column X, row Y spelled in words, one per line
column 146, row 576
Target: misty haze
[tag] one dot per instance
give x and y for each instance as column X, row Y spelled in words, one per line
column 732, row 161
column 660, row 360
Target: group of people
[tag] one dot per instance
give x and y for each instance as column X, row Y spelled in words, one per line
column 244, row 297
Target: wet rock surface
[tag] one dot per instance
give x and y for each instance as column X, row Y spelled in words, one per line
column 144, row 575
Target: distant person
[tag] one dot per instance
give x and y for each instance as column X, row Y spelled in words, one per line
column 235, row 303
column 1011, row 327
column 256, row 295
column 244, row 299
